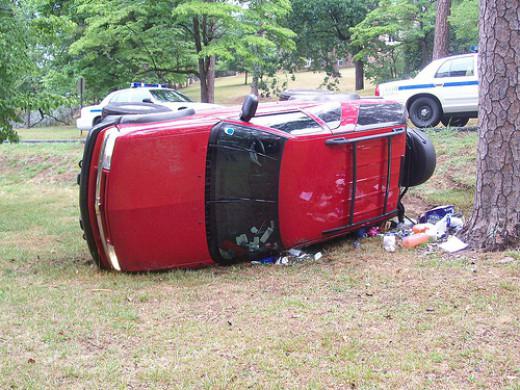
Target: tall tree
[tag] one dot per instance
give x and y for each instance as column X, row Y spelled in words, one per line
column 464, row 22
column 441, row 40
column 495, row 222
column 324, row 34
column 226, row 29
column 396, row 37
column 13, row 65
column 120, row 41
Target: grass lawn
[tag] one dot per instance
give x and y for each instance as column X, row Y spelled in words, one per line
column 359, row 318
column 231, row 90
column 51, row 133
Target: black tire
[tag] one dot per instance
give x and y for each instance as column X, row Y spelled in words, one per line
column 420, row 159
column 455, row 121
column 132, row 109
column 97, row 121
column 425, row 112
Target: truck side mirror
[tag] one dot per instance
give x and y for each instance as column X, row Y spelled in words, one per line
column 249, row 108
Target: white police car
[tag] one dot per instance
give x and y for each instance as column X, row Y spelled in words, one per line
column 444, row 91
column 139, row 93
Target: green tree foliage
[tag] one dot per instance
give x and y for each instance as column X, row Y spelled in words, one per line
column 249, row 32
column 396, row 38
column 324, row 30
column 464, row 21
column 13, row 65
column 121, row 41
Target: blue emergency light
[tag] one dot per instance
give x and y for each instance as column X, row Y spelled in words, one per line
column 137, row 84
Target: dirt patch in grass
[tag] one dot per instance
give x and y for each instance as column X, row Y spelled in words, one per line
column 39, row 168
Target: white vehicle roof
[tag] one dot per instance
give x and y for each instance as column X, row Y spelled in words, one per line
column 429, row 70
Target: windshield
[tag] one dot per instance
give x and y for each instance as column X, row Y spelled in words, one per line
column 291, row 122
column 169, row 96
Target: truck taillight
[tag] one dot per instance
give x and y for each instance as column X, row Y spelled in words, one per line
column 377, row 91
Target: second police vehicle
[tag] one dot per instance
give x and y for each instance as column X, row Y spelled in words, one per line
column 139, row 93
column 444, row 91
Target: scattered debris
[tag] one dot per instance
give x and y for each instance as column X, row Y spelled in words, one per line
column 389, row 243
column 436, row 214
column 293, row 256
column 453, row 244
column 436, row 228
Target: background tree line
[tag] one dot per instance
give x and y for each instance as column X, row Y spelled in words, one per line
column 46, row 45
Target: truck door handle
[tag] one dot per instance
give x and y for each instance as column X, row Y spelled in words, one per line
column 336, row 141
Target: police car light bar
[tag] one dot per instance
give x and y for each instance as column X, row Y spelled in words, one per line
column 137, row 84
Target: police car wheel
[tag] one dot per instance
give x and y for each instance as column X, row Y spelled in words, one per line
column 425, row 112
column 459, row 121
column 96, row 121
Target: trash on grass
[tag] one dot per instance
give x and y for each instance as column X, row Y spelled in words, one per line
column 436, row 214
column 453, row 244
column 414, row 240
column 293, row 256
column 389, row 243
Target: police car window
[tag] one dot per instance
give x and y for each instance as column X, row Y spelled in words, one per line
column 460, row 67
column 131, row 96
column 328, row 113
column 290, row 122
column 169, row 96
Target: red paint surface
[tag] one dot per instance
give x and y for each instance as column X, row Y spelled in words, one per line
column 154, row 204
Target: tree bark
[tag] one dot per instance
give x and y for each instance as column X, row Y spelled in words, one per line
column 359, row 67
column 495, row 222
column 254, row 84
column 206, row 64
column 441, row 39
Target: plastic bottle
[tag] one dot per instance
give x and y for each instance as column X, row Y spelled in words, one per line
column 415, row 240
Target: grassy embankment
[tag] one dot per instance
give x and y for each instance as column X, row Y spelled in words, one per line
column 356, row 319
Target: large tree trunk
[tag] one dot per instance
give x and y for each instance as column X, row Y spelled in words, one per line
column 207, row 79
column 441, row 40
column 495, row 223
column 360, row 75
column 254, row 84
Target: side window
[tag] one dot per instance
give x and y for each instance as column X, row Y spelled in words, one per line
column 381, row 114
column 290, row 122
column 459, row 67
column 328, row 113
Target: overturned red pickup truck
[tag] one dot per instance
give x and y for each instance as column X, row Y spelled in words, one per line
column 165, row 190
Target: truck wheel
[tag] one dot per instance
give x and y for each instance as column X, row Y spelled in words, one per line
column 457, row 121
column 419, row 160
column 425, row 112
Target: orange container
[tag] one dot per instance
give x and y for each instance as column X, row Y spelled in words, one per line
column 415, row 240
column 422, row 227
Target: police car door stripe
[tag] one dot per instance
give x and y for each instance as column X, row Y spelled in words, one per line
column 416, row 86
column 460, row 83
column 96, row 110
column 449, row 84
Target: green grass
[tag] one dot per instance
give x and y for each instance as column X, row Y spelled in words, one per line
column 357, row 319
column 455, row 176
column 51, row 133
column 231, row 90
